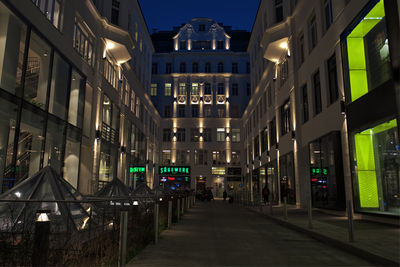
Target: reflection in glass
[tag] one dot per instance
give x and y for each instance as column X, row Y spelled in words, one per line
column 37, row 71
column 29, row 145
column 76, row 99
column 59, row 87
column 72, row 155
column 12, row 46
column 54, row 145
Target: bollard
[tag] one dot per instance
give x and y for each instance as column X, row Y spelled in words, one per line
column 169, row 214
column 41, row 239
column 285, row 208
column 310, row 213
column 122, row 237
column 350, row 220
column 156, row 207
column 178, row 209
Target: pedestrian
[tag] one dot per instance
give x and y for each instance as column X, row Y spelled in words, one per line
column 265, row 194
column 224, row 195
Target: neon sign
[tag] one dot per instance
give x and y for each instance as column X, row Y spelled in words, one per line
column 179, row 170
column 319, row 171
column 137, row 169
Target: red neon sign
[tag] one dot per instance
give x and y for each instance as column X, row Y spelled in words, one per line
column 171, row 178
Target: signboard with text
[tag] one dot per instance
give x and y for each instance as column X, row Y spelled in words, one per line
column 174, row 170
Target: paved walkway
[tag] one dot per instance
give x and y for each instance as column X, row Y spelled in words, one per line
column 220, row 234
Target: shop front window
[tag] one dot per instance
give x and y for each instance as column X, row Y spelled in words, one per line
column 287, row 180
column 271, row 180
column 76, row 99
column 376, row 169
column 12, row 46
column 367, row 54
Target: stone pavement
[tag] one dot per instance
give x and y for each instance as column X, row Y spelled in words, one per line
column 377, row 242
column 217, row 233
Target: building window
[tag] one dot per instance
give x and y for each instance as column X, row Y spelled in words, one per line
column 235, row 135
column 200, row 157
column 168, row 68
column 52, row 10
column 220, row 45
column 312, row 30
column 332, row 76
column 247, row 67
column 256, row 146
column 220, row 89
column 166, row 135
column 220, row 67
column 235, row 68
column 167, row 89
column 207, row 111
column 180, row 135
column 207, row 134
column 181, row 111
column 166, row 157
column 218, row 159
column 153, row 91
column 248, row 89
column 115, row 12
column 283, row 71
column 84, row 41
column 235, row 111
column 285, row 118
column 207, row 68
column 287, row 180
column 221, row 111
column 195, row 111
column 154, row 68
column 305, row 103
column 207, row 89
column 328, row 10
column 301, row 49
column 272, row 132
column 182, row 67
column 195, row 89
column 235, row 89
column 202, row 27
column 221, row 136
column 278, row 11
column 182, row 88
column 317, row 93
column 167, row 111
column 264, row 140
column 195, row 67
column 194, row 135
column 183, row 45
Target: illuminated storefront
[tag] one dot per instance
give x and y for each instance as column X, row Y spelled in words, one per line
column 174, row 177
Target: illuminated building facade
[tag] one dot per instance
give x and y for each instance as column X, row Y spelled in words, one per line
column 73, row 83
column 322, row 123
column 200, row 86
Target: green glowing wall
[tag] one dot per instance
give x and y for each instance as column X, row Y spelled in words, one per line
column 356, row 51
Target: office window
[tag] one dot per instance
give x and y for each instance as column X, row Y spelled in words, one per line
column 220, row 44
column 166, row 135
column 207, row 134
column 59, row 87
column 312, row 31
column 235, row 111
column 301, row 48
column 285, row 118
column 207, row 89
column 235, row 89
column 202, row 28
column 264, row 140
column 200, row 157
column 76, row 99
column 115, row 12
column 305, row 103
column 220, row 89
column 166, row 157
column 167, row 89
column 182, row 88
column 154, row 69
column 283, row 71
column 207, row 67
column 181, row 111
column 221, row 134
column 153, row 89
column 195, row 111
column 52, row 10
column 194, row 134
column 235, row 135
column 332, row 77
column 182, row 67
column 84, row 41
column 248, row 89
column 220, row 67
column 180, row 135
column 317, row 93
column 167, row 111
column 195, row 67
column 207, row 111
column 278, row 11
column 221, row 111
column 235, row 68
column 328, row 12
column 256, row 147
column 168, row 68
column 272, row 132
column 195, row 89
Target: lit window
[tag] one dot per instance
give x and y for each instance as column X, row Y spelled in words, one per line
column 168, row 87
column 221, row 134
column 84, row 41
column 195, row 88
column 153, row 91
column 182, row 88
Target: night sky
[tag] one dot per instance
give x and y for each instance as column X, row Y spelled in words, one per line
column 164, row 14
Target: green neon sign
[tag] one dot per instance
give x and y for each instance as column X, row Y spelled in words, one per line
column 319, row 171
column 137, row 169
column 178, row 170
